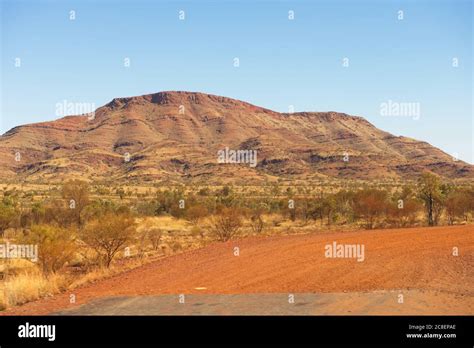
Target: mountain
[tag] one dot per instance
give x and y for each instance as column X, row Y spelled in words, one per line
column 177, row 135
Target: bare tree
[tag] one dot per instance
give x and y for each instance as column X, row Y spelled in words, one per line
column 226, row 224
column 196, row 213
column 256, row 222
column 154, row 236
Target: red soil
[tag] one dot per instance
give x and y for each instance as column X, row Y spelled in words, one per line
column 401, row 259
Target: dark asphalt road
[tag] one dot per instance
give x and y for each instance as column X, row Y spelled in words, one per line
column 384, row 302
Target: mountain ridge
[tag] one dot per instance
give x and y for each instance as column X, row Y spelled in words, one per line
column 175, row 135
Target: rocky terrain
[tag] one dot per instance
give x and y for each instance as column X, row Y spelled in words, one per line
column 176, row 136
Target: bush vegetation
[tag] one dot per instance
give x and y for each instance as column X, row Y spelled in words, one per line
column 78, row 223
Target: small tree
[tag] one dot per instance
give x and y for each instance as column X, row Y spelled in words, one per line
column 328, row 208
column 120, row 192
column 196, row 213
column 226, row 224
column 56, row 246
column 8, row 215
column 303, row 210
column 344, row 205
column 457, row 205
column 76, row 194
column 38, row 212
column 429, row 191
column 256, row 221
column 108, row 235
column 404, row 211
column 154, row 236
column 370, row 204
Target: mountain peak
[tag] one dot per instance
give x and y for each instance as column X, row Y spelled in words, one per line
column 183, row 98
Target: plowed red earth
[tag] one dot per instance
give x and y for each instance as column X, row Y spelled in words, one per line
column 396, row 259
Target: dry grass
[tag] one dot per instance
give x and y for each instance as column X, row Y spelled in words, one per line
column 30, row 286
column 167, row 223
column 103, row 272
column 27, row 283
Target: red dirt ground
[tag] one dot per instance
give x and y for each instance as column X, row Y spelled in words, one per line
column 396, row 259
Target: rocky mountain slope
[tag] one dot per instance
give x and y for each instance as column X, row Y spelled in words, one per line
column 177, row 135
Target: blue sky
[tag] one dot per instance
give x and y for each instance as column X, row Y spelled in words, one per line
column 282, row 62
